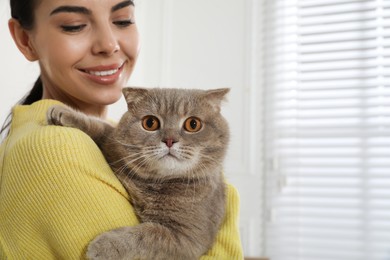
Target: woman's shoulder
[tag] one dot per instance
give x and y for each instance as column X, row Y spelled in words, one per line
column 53, row 151
column 30, row 133
column 56, row 146
column 63, row 139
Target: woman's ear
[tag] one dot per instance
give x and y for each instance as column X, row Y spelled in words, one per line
column 22, row 39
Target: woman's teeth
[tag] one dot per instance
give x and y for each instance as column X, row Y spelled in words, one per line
column 103, row 73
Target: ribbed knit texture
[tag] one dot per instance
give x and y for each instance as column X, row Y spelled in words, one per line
column 57, row 193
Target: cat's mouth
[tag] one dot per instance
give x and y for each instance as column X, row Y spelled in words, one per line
column 177, row 160
column 171, row 155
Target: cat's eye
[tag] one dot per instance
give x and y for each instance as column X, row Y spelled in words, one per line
column 150, row 123
column 192, row 124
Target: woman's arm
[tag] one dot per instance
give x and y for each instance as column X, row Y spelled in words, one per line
column 228, row 244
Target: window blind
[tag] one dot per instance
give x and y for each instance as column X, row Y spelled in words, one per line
column 327, row 78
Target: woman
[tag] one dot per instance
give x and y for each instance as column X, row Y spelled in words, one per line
column 57, row 191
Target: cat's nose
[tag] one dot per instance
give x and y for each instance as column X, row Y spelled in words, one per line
column 169, row 142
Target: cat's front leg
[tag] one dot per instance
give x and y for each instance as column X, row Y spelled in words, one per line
column 112, row 245
column 65, row 116
column 147, row 241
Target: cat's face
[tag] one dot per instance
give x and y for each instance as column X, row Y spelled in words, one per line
column 173, row 132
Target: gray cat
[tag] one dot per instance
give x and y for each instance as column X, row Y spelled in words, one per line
column 167, row 151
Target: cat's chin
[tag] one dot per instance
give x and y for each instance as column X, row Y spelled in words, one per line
column 170, row 165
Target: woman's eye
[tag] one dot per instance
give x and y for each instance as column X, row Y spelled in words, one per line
column 73, row 28
column 192, row 124
column 150, row 123
column 124, row 23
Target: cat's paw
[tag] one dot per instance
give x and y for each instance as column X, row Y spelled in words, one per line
column 110, row 246
column 59, row 115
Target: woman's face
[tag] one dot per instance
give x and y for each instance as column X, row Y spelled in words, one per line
column 86, row 50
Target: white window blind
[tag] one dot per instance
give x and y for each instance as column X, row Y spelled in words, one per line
column 327, row 78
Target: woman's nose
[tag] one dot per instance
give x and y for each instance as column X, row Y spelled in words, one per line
column 106, row 43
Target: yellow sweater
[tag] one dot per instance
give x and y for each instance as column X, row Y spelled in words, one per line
column 57, row 193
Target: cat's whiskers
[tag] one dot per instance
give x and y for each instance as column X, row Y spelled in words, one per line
column 133, row 154
column 129, row 164
column 194, row 193
column 210, row 160
column 129, row 172
column 188, row 183
column 126, row 158
column 187, row 152
column 199, row 182
column 203, row 174
column 142, row 161
column 199, row 172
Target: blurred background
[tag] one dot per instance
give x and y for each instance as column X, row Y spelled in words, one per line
column 309, row 112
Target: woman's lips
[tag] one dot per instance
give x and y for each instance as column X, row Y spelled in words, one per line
column 104, row 75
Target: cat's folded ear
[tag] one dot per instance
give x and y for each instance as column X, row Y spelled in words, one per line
column 134, row 95
column 215, row 97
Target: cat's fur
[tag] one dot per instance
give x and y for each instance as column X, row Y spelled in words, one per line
column 178, row 193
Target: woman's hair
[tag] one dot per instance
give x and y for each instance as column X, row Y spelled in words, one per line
column 23, row 11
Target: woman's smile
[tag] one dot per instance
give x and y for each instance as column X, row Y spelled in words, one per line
column 104, row 75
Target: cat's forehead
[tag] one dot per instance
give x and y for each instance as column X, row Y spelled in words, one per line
column 173, row 101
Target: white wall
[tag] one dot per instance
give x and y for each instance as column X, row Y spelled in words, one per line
column 186, row 43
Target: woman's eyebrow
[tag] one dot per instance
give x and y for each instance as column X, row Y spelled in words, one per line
column 71, row 9
column 122, row 5
column 83, row 10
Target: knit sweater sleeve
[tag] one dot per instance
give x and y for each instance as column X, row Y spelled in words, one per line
column 58, row 194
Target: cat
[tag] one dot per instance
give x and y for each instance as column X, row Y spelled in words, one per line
column 168, row 151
